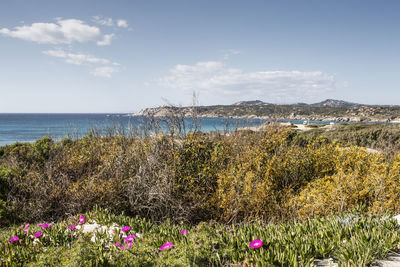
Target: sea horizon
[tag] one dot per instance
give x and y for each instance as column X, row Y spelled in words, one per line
column 29, row 127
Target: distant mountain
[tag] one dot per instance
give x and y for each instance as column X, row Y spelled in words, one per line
column 332, row 103
column 249, row 103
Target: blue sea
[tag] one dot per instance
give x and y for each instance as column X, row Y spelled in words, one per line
column 30, row 127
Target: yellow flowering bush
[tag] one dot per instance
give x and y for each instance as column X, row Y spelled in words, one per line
column 273, row 175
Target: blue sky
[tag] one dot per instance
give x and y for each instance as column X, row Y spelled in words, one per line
column 122, row 56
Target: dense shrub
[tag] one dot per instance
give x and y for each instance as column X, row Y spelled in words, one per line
column 359, row 181
column 385, row 138
column 243, row 176
column 5, row 213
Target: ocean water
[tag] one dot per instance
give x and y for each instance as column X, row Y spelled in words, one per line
column 30, row 127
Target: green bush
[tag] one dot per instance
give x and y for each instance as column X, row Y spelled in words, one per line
column 244, row 176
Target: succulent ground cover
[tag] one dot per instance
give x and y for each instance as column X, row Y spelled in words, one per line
column 352, row 240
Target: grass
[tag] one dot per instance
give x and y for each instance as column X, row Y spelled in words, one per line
column 352, row 240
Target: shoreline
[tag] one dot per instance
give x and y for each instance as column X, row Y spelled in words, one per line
column 326, row 120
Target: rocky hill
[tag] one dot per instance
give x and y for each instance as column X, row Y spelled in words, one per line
column 249, row 103
column 336, row 104
column 328, row 110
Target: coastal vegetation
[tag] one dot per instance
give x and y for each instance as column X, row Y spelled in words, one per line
column 226, row 190
column 382, row 137
column 328, row 110
column 352, row 239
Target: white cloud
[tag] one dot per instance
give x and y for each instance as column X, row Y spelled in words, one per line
column 65, row 31
column 110, row 22
column 77, row 59
column 106, row 40
column 230, row 52
column 106, row 71
column 214, row 78
column 103, row 21
column 122, row 23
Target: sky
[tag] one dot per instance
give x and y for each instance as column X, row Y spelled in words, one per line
column 125, row 55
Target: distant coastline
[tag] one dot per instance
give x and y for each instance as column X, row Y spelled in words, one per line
column 328, row 111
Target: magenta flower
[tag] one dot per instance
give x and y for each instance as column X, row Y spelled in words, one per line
column 122, row 247
column 71, row 227
column 166, row 246
column 117, row 244
column 81, row 219
column 130, row 245
column 125, row 229
column 26, row 225
column 14, row 239
column 256, row 243
column 38, row 234
column 39, row 224
column 46, row 225
column 184, row 232
column 26, row 230
column 129, row 238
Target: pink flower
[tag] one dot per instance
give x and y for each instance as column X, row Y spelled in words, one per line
column 45, row 225
column 81, row 219
column 122, row 247
column 256, row 243
column 117, row 244
column 26, row 225
column 184, row 232
column 38, row 234
column 14, row 239
column 26, row 230
column 344, row 241
column 39, row 224
column 71, row 227
column 293, row 233
column 166, row 246
column 129, row 238
column 125, row 229
column 130, row 245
